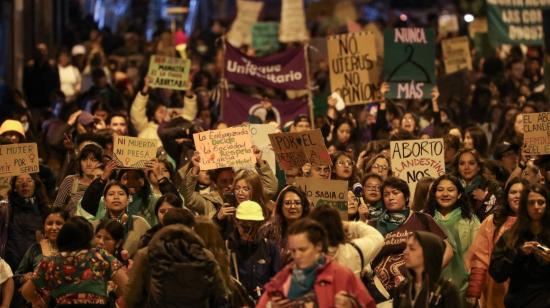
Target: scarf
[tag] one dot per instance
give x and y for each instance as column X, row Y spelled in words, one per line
column 302, row 280
column 475, row 183
column 388, row 222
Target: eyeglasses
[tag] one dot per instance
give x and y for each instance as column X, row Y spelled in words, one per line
column 289, row 203
column 243, row 189
column 347, row 163
column 373, row 188
column 536, row 202
column 381, row 167
column 321, row 169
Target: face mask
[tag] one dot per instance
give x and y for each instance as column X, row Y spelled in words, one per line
column 26, row 126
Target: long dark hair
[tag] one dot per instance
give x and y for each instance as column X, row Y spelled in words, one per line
column 479, row 139
column 461, row 202
column 278, row 216
column 522, row 228
column 145, row 191
column 76, row 234
column 116, row 231
column 40, row 195
column 330, row 219
column 504, row 210
column 477, row 158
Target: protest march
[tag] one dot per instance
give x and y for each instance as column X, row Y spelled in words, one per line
column 256, row 153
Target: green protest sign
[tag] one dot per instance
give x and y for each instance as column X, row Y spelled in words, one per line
column 169, row 73
column 409, row 62
column 516, row 22
column 265, row 37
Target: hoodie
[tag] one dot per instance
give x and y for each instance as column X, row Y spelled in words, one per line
column 435, row 292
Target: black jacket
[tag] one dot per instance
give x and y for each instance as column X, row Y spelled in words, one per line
column 529, row 275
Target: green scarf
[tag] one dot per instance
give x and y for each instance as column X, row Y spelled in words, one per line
column 388, row 222
column 302, row 280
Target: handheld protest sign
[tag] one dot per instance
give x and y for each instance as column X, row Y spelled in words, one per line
column 456, row 54
column 169, row 73
column 260, row 137
column 516, row 22
column 230, row 147
column 352, row 59
column 325, row 192
column 16, row 159
column 412, row 160
column 536, row 133
column 265, row 38
column 132, row 152
column 293, row 22
column 293, row 150
column 241, row 29
column 409, row 62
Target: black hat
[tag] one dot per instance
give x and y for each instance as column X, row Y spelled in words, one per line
column 504, row 147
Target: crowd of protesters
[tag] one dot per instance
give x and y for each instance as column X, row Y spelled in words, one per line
column 84, row 231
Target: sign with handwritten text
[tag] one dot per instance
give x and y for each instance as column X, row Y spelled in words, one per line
column 16, row 159
column 260, row 137
column 169, row 73
column 409, row 62
column 322, row 191
column 293, row 150
column 352, row 58
column 536, row 129
column 412, row 160
column 132, row 152
column 230, row 147
column 456, row 54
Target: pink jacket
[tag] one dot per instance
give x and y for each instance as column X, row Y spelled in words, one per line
column 331, row 279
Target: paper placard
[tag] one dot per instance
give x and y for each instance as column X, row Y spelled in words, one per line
column 409, row 62
column 456, row 54
column 412, row 160
column 132, row 152
column 322, row 191
column 447, row 23
column 169, row 73
column 293, row 22
column 352, row 58
column 478, row 25
column 241, row 29
column 260, row 137
column 230, row 147
column 536, row 130
column 516, row 22
column 265, row 38
column 16, row 159
column 293, row 150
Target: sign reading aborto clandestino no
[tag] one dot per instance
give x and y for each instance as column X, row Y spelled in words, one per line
column 409, row 62
column 412, row 160
column 536, row 133
column 230, row 147
column 132, row 152
column 325, row 192
column 352, row 57
column 293, row 150
column 169, row 73
column 456, row 54
column 16, row 159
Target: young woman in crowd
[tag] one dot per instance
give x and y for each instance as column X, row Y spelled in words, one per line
column 164, row 170
column 483, row 195
column 522, row 255
column 27, row 209
column 379, row 164
column 475, row 139
column 353, row 244
column 72, row 188
column 164, row 203
column 425, row 286
column 313, row 278
column 449, row 207
column 344, row 168
column 116, row 198
column 395, row 223
column 292, row 205
column 78, row 275
column 483, row 288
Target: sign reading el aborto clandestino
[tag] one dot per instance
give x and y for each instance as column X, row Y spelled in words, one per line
column 132, row 152
column 16, row 159
column 412, row 160
column 536, row 133
column 169, row 73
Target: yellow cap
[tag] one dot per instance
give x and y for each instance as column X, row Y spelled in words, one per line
column 12, row 126
column 249, row 210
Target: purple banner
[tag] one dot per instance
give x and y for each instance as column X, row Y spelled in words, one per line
column 237, row 107
column 284, row 70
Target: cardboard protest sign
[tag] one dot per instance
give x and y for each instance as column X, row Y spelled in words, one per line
column 241, row 29
column 169, row 73
column 456, row 54
column 260, row 137
column 325, row 192
column 352, row 57
column 536, row 129
column 293, row 22
column 293, row 150
column 478, row 25
column 409, row 62
column 265, row 38
column 412, row 160
column 230, row 147
column 132, row 152
column 447, row 23
column 16, row 159
column 516, row 22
